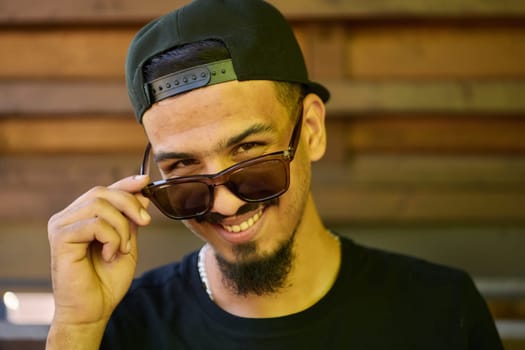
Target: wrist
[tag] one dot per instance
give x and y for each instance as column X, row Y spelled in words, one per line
column 75, row 336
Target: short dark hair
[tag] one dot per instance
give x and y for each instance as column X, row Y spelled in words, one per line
column 183, row 57
column 211, row 50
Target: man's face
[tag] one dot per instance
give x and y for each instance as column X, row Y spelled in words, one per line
column 209, row 129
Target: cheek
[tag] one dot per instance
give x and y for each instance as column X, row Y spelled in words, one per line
column 301, row 169
column 300, row 175
column 193, row 226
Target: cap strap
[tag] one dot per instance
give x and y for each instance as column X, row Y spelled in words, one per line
column 189, row 79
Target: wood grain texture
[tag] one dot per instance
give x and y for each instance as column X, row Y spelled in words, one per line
column 401, row 51
column 89, row 134
column 349, row 98
column 31, row 98
column 59, row 11
column 426, row 127
column 93, row 53
column 369, row 188
column 429, row 51
column 400, row 134
column 436, row 135
column 440, row 96
column 164, row 242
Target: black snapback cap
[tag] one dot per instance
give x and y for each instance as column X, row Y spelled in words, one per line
column 260, row 41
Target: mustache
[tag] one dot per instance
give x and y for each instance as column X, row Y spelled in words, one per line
column 217, row 218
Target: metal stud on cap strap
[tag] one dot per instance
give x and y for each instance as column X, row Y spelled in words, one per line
column 190, row 79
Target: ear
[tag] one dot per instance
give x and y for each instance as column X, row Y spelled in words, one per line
column 314, row 131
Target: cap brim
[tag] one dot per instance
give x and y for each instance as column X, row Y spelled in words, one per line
column 319, row 90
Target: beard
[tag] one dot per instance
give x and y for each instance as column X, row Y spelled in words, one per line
column 255, row 273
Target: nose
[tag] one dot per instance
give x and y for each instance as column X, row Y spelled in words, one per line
column 225, row 202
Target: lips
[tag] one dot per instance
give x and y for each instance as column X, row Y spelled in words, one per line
column 243, row 226
column 240, row 229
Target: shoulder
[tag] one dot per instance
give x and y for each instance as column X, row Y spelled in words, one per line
column 400, row 281
column 381, row 266
column 404, row 280
column 426, row 296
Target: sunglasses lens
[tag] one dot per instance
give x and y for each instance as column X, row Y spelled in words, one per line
column 260, row 181
column 183, row 199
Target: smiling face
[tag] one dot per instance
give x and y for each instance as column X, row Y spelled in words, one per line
column 210, row 129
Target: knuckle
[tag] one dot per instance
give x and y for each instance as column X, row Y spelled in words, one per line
column 97, row 221
column 57, row 235
column 52, row 222
column 97, row 190
column 123, row 224
column 54, row 225
column 97, row 203
column 98, row 224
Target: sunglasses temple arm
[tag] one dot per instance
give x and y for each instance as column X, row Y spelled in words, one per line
column 296, row 135
column 144, row 167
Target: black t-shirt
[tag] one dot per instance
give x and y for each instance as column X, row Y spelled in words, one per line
column 379, row 300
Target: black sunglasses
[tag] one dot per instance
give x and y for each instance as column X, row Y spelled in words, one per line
column 254, row 180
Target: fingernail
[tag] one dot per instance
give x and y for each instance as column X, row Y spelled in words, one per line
column 139, row 177
column 128, row 247
column 144, row 215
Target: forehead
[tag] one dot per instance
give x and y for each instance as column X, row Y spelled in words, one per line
column 215, row 110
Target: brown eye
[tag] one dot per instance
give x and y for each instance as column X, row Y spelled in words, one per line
column 185, row 163
column 180, row 164
column 247, row 146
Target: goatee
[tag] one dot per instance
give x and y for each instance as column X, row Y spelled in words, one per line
column 257, row 273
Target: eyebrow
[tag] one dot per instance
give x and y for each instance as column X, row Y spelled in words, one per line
column 159, row 157
column 258, row 128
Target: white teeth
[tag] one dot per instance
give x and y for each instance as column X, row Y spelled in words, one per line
column 244, row 225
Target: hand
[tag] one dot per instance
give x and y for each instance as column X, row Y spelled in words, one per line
column 94, row 251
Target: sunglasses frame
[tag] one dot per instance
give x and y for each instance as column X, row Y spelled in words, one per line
column 222, row 177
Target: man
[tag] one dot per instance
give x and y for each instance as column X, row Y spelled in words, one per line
column 234, row 123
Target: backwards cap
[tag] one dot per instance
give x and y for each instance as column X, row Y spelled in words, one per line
column 260, row 41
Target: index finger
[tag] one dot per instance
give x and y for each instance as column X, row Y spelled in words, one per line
column 131, row 184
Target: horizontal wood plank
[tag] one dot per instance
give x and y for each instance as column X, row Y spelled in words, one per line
column 90, row 134
column 431, row 51
column 402, row 134
column 323, row 48
column 397, row 8
column 439, row 96
column 513, row 343
column 135, row 10
column 368, row 189
column 349, row 98
column 56, row 97
column 97, row 53
column 401, row 51
column 349, row 204
column 75, row 173
column 482, row 172
column 436, row 135
column 508, row 308
column 163, row 242
column 25, row 267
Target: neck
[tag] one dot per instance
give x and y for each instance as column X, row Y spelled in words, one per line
column 314, row 270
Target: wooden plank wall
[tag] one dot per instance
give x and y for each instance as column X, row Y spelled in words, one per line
column 426, row 127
